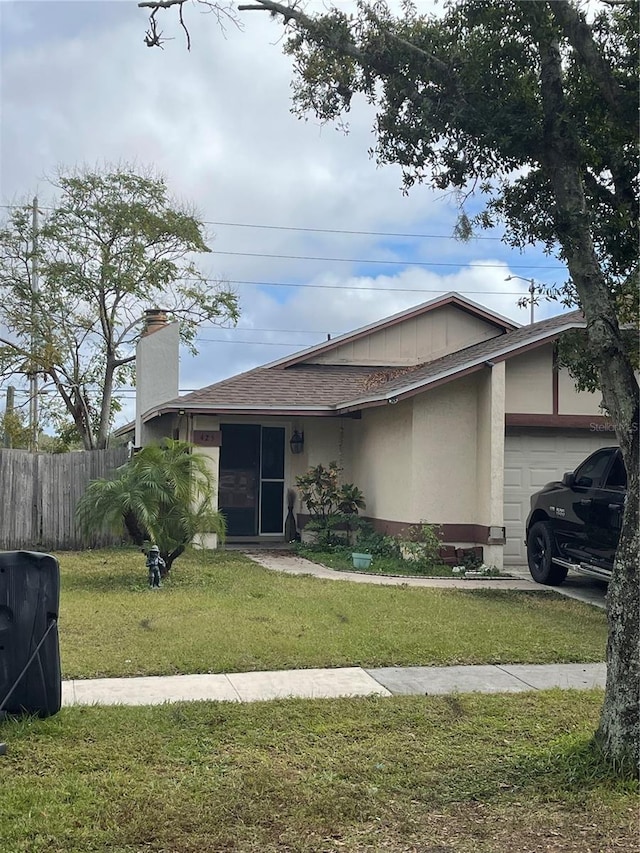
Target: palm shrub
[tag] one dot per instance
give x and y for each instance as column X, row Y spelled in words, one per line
column 163, row 494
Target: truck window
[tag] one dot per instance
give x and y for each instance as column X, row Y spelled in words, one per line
column 591, row 472
column 617, row 478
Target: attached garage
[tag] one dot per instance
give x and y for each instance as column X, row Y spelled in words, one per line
column 532, row 458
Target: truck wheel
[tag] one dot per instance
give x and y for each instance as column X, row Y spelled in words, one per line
column 540, row 551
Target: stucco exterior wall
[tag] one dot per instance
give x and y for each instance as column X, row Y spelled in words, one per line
column 414, row 340
column 573, row 402
column 418, row 459
column 490, row 446
column 382, row 465
column 490, row 460
column 159, row 428
column 445, row 471
column 321, row 441
column 529, row 382
column 157, row 365
column 436, row 457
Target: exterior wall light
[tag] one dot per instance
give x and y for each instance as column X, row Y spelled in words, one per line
column 296, row 442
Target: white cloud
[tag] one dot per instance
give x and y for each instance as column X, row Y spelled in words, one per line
column 79, row 86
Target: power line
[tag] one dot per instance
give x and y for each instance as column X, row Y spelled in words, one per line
column 304, row 229
column 346, row 231
column 284, row 331
column 256, row 343
column 309, row 230
column 383, row 261
column 354, row 287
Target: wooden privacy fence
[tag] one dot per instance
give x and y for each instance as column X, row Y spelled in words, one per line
column 39, row 493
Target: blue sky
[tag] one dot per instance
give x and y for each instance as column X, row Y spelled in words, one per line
column 78, row 86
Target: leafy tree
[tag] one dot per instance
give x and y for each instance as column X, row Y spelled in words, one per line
column 15, row 433
column 114, row 245
column 162, row 495
column 535, row 108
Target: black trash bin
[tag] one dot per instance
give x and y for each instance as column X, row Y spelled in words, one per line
column 30, row 678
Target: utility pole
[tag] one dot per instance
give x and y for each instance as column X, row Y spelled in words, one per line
column 33, row 375
column 8, row 410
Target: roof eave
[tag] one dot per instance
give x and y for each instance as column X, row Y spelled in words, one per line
column 465, row 368
column 215, row 409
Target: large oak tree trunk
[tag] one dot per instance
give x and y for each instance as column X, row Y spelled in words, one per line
column 619, row 730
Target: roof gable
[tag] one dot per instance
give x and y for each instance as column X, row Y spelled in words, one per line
column 351, row 348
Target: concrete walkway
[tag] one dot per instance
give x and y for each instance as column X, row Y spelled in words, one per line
column 576, row 586
column 331, row 683
column 292, row 564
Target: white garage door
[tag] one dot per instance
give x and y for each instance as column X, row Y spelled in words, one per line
column 530, row 461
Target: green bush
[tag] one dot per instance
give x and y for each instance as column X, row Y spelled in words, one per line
column 333, row 507
column 423, row 544
column 369, row 541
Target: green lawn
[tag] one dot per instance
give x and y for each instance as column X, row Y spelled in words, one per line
column 461, row 774
column 220, row 612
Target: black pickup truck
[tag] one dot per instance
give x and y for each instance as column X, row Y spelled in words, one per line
column 575, row 524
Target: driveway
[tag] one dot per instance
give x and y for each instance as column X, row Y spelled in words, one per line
column 582, row 587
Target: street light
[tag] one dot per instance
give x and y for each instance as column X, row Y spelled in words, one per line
column 532, row 290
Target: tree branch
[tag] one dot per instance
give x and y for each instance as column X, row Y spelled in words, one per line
column 160, row 4
column 290, row 13
column 153, row 36
column 120, row 362
column 580, row 36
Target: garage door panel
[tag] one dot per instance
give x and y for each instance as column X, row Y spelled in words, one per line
column 541, row 476
column 513, row 478
column 512, row 549
column 531, row 460
column 512, row 511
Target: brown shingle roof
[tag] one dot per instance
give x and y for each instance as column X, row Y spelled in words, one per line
column 329, row 389
column 308, row 385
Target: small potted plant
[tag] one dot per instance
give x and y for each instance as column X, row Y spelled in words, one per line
column 361, row 561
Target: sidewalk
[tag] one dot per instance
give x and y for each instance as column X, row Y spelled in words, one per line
column 331, row 683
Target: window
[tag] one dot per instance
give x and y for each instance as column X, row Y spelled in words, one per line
column 617, row 478
column 591, row 472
